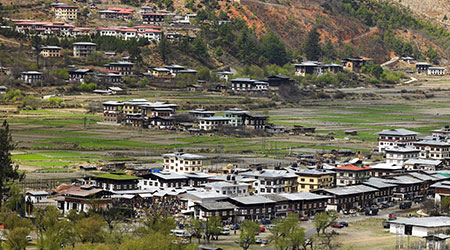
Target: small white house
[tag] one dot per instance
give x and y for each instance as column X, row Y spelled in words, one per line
column 420, row 226
column 436, row 71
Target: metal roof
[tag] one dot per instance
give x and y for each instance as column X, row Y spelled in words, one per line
column 183, row 156
column 433, row 221
column 397, row 132
column 251, row 200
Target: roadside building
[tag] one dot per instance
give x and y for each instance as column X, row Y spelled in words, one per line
column 395, row 138
column 420, row 226
column 441, row 191
column 83, row 49
column 253, row 208
column 407, row 187
column 31, row 77
column 311, row 180
column 190, row 198
column 351, row 174
column 305, row 203
column 50, row 51
column 223, row 209
column 384, row 192
column 350, row 197
column 180, row 162
column 269, row 181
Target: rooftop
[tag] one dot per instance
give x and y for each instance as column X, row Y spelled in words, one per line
column 253, row 200
column 397, row 132
column 351, row 167
column 304, row 196
column 434, row 221
column 118, row 177
column 182, row 155
column 217, row 205
column 349, row 190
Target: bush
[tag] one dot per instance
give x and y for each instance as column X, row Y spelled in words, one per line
column 87, row 87
column 55, row 101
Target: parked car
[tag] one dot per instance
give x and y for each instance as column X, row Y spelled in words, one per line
column 405, row 204
column 392, row 217
column 303, row 218
column 337, row 225
column 225, row 232
column 262, row 229
column 343, row 223
column 270, row 227
column 235, row 227
column 264, row 242
column 265, row 221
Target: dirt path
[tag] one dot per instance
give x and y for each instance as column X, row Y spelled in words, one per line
column 368, row 33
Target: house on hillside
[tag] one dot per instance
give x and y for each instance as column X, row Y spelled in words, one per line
column 31, row 77
column 79, row 74
column 50, row 51
column 212, row 123
column 121, row 67
column 153, row 18
column 278, row 80
column 422, row 67
column 354, row 64
column 436, row 71
column 66, row 12
column 83, row 49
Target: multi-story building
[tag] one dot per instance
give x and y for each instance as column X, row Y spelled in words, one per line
column 351, row 174
column 83, row 49
column 310, row 180
column 180, row 162
column 66, row 12
column 227, row 188
column 350, row 197
column 316, row 68
column 247, row 84
column 116, row 182
column 81, row 199
column 433, row 149
column 162, row 179
column 273, row 181
column 441, row 134
column 121, row 68
column 79, row 74
column 395, row 138
column 153, row 18
column 242, row 118
column 354, row 64
column 422, row 67
column 112, row 111
column 256, row 207
column 201, row 113
column 31, row 76
column 50, row 51
column 398, row 155
column 212, row 123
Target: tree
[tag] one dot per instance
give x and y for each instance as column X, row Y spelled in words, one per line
column 91, row 229
column 8, row 172
column 199, row 46
column 114, row 214
column 311, row 47
column 272, row 47
column 287, row 234
column 433, row 56
column 36, row 43
column 329, row 51
column 196, row 228
column 164, row 48
column 249, row 229
column 323, row 220
column 53, row 233
column 17, row 238
column 213, row 227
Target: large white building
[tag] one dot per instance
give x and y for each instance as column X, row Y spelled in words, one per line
column 229, row 189
column 273, row 181
column 395, row 138
column 397, row 156
column 180, row 162
column 420, row 226
column 433, row 149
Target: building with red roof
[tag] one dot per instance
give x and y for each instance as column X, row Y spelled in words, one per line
column 352, row 174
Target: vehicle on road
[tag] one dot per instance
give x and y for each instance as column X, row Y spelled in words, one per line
column 303, row 218
column 265, row 221
column 337, row 225
column 392, row 217
column 405, row 204
column 262, row 229
column 343, row 223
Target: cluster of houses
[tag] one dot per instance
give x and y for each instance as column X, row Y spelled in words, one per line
column 356, row 64
column 258, row 193
column 144, row 114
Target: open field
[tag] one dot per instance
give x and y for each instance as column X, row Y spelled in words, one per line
column 69, row 137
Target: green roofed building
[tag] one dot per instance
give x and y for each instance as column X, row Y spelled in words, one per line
column 116, row 181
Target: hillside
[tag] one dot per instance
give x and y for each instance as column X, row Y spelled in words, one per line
column 436, row 10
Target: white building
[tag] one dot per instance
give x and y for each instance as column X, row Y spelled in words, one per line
column 398, row 155
column 83, row 49
column 443, row 133
column 433, row 149
column 420, row 226
column 436, row 71
column 31, row 76
column 395, row 138
column 66, row 12
column 212, row 123
column 180, row 162
column 162, row 179
column 270, row 181
column 190, row 198
column 229, row 189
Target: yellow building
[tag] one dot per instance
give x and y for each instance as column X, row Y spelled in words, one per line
column 66, row 12
column 310, row 180
column 51, row 51
column 160, row 72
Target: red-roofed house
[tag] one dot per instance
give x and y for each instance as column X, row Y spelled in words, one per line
column 351, row 174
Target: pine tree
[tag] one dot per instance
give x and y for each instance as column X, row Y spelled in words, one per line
column 8, row 172
column 311, row 47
